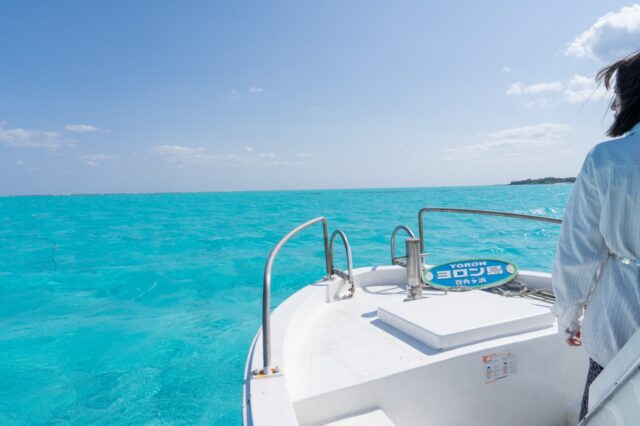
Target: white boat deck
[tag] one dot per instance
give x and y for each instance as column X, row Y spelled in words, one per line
column 340, row 361
column 346, row 344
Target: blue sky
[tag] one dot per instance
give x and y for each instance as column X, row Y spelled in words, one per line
column 149, row 96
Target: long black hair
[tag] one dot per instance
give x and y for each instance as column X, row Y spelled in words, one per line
column 627, row 85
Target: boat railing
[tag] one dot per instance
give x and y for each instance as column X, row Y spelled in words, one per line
column 266, row 289
column 421, row 232
column 347, row 276
column 399, row 260
column 413, row 260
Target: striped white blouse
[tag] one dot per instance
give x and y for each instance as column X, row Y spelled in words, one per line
column 602, row 217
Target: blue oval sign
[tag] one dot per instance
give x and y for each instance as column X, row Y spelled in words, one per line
column 472, row 273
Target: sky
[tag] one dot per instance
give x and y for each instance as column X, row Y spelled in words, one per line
column 172, row 96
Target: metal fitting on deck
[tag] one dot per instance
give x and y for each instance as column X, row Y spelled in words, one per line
column 414, row 268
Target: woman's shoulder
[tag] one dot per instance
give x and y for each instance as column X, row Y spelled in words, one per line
column 616, row 148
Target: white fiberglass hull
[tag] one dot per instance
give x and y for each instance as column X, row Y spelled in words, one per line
column 342, row 361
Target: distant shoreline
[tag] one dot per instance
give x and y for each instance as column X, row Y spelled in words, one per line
column 543, row 181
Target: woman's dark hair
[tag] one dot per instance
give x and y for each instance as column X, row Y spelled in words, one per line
column 627, row 85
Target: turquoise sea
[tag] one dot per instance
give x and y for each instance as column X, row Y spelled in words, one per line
column 139, row 309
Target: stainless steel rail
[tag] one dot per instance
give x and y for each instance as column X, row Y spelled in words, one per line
column 396, row 260
column 349, row 275
column 266, row 289
column 480, row 212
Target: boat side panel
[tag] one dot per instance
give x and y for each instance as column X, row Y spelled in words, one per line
column 545, row 390
column 265, row 398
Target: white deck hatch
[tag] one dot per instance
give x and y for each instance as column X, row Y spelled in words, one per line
column 455, row 319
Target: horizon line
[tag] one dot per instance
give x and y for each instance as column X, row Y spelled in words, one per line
column 88, row 194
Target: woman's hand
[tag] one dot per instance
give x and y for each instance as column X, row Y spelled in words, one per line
column 575, row 339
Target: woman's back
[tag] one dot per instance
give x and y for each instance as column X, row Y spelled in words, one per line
column 616, row 169
column 597, row 265
column 613, row 170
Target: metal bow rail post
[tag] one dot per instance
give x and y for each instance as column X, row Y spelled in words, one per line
column 266, row 290
column 345, row 276
column 399, row 260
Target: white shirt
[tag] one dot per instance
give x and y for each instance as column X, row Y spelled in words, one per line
column 602, row 216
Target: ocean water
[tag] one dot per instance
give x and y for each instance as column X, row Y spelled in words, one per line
column 139, row 309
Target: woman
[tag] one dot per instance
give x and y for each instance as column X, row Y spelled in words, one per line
column 600, row 238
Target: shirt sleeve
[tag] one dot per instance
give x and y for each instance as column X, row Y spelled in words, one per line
column 581, row 250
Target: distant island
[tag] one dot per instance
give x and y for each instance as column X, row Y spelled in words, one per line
column 546, row 180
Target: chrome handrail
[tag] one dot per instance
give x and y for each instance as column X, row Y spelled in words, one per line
column 394, row 259
column 349, row 275
column 266, row 289
column 481, row 212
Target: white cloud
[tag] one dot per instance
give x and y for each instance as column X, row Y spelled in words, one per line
column 506, row 70
column 233, row 94
column 185, row 154
column 267, row 155
column 304, row 155
column 94, row 160
column 32, row 138
column 248, row 149
column 530, row 133
column 581, row 81
column 583, row 89
column 612, row 36
column 83, row 128
column 537, row 103
column 26, row 167
column 543, row 134
column 578, row 89
column 532, row 89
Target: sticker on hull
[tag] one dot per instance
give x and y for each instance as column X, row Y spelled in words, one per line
column 499, row 366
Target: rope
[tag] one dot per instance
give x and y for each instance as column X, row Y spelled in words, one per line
column 519, row 289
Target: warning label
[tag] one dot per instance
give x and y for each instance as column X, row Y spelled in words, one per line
column 499, row 366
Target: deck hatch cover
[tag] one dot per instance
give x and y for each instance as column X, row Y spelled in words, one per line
column 458, row 319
